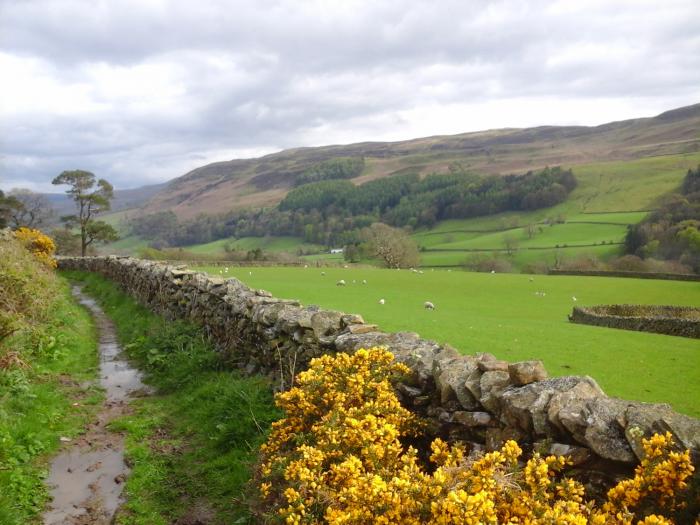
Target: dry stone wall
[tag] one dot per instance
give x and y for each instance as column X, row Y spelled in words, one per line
column 683, row 321
column 475, row 398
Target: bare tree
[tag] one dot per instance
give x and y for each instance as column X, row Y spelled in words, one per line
column 391, row 245
column 510, row 243
column 530, row 230
column 32, row 210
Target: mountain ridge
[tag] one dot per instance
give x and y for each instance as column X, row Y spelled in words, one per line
column 263, row 181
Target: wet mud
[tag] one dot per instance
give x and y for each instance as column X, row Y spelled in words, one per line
column 87, row 477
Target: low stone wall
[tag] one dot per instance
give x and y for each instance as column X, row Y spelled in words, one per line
column 682, row 321
column 475, row 398
column 634, row 275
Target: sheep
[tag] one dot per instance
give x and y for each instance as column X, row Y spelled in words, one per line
column 323, row 273
column 340, row 283
column 364, row 281
column 428, row 305
column 532, row 279
column 381, row 301
column 574, row 298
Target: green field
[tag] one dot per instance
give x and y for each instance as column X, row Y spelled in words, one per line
column 269, row 243
column 501, row 314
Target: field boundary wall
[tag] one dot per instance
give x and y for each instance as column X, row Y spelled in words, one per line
column 634, row 275
column 474, row 398
column 683, row 321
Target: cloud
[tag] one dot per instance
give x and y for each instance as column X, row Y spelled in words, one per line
column 142, row 91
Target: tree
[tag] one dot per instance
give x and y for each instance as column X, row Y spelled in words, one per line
column 7, row 204
column 89, row 201
column 31, row 210
column 510, row 243
column 391, row 245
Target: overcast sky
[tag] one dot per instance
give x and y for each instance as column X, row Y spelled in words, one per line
column 141, row 91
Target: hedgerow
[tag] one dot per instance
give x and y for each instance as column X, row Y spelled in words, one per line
column 338, row 458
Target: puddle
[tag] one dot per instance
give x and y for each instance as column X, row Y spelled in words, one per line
column 87, row 477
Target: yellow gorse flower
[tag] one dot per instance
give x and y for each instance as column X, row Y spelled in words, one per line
column 337, row 458
column 39, row 244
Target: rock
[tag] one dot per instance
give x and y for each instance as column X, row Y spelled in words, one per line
column 577, row 455
column 527, row 407
column 450, row 381
column 472, row 419
column 325, row 322
column 570, row 401
column 644, row 419
column 361, row 328
column 604, row 433
column 495, row 365
column 526, row 372
column 492, row 383
column 350, row 319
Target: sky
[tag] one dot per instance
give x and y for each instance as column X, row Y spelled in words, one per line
column 142, row 91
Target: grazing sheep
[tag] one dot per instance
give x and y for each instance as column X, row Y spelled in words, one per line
column 381, row 301
column 323, row 273
column 341, row 282
column 306, row 266
column 532, row 279
column 428, row 305
column 420, row 272
column 364, row 281
column 345, row 266
column 354, row 281
column 493, row 271
column 574, row 298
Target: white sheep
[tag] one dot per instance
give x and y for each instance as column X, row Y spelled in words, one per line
column 381, row 301
column 574, row 298
column 428, row 305
column 364, row 281
column 323, row 273
column 341, row 282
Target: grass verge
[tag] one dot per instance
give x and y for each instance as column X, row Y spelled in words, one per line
column 47, row 391
column 192, row 444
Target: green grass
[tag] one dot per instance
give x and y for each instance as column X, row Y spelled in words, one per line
column 522, row 258
column 501, row 314
column 269, row 244
column 192, row 444
column 36, row 405
column 126, row 245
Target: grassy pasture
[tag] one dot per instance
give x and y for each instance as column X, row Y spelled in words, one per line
column 500, row 313
column 270, row 244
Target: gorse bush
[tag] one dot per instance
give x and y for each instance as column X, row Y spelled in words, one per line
column 338, row 457
column 40, row 244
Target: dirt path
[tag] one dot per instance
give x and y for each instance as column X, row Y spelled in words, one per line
column 87, row 477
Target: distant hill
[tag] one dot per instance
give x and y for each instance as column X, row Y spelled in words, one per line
column 123, row 199
column 264, row 181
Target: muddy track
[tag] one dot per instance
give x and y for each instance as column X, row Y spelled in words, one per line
column 87, row 477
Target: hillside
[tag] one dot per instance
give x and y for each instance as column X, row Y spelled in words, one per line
column 223, row 186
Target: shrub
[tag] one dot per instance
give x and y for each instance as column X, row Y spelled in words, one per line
column 337, row 457
column 40, row 244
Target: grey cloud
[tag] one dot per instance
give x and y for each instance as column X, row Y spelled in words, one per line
column 266, row 75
